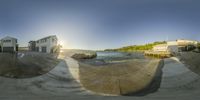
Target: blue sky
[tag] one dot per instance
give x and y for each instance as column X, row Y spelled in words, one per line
column 100, row 24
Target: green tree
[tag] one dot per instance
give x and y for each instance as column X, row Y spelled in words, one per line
column 137, row 47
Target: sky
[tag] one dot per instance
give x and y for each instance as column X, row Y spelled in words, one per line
column 100, row 24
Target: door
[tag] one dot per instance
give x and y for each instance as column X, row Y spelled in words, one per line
column 8, row 49
column 44, row 49
column 17, row 47
column 37, row 49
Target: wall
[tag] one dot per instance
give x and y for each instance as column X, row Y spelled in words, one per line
column 48, row 44
column 160, row 48
column 172, row 46
column 12, row 43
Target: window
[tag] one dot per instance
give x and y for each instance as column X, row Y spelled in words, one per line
column 6, row 40
column 54, row 40
column 43, row 40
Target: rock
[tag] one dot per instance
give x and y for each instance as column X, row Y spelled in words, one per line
column 84, row 56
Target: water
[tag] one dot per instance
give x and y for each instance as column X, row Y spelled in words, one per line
column 119, row 55
column 105, row 57
column 110, row 54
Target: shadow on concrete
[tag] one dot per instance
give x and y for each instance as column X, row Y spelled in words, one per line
column 26, row 64
column 153, row 86
column 108, row 82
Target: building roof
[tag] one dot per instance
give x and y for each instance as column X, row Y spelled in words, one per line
column 8, row 37
column 187, row 40
column 48, row 37
column 31, row 41
column 170, row 43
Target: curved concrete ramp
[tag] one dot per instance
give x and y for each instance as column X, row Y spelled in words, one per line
column 127, row 77
column 73, row 68
column 57, row 82
column 178, row 81
column 176, row 75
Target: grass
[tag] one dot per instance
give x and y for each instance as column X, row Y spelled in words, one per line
column 137, row 48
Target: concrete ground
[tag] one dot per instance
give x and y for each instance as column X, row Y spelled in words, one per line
column 192, row 60
column 121, row 78
column 178, row 83
column 26, row 64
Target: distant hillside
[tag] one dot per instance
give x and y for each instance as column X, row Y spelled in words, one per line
column 137, row 47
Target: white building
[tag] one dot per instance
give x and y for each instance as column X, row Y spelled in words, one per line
column 183, row 42
column 161, row 48
column 172, row 46
column 9, row 44
column 175, row 46
column 47, row 44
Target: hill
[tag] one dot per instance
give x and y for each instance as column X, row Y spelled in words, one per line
column 134, row 48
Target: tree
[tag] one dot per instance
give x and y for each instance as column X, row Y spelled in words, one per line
column 198, row 45
column 148, row 46
column 56, row 49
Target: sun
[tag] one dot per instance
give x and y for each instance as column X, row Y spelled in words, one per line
column 61, row 43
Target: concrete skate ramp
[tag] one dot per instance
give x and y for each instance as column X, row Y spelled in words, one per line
column 61, row 83
column 58, row 82
column 178, row 81
column 26, row 64
column 122, row 78
column 192, row 60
